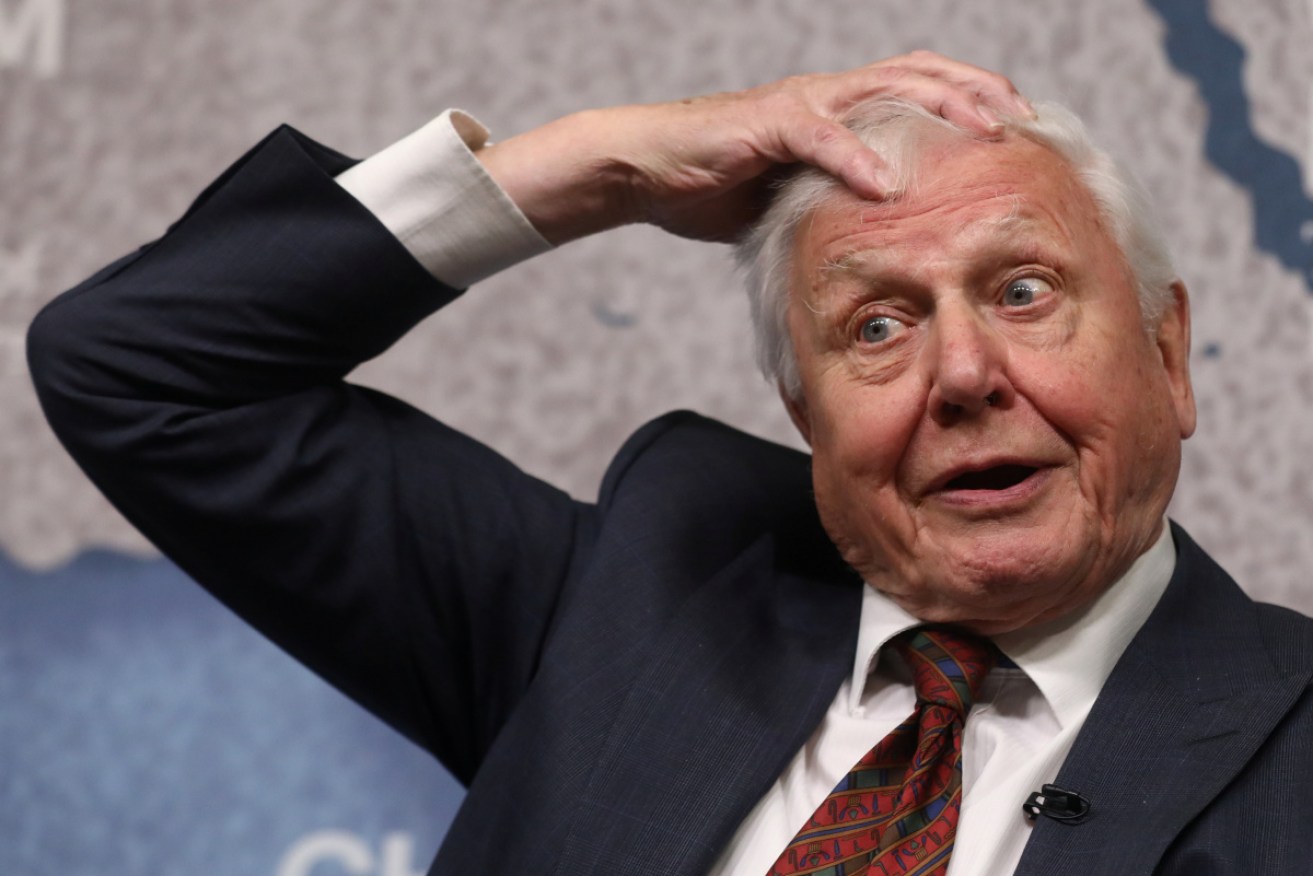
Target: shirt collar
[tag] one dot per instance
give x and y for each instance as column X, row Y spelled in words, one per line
column 1068, row 659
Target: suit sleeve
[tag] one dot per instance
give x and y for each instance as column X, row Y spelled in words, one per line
column 200, row 383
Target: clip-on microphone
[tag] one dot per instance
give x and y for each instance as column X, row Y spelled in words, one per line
column 1053, row 802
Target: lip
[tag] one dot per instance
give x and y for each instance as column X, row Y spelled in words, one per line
column 987, row 498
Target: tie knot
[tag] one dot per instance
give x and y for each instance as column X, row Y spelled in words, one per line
column 947, row 666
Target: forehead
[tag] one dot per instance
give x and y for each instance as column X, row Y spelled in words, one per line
column 967, row 197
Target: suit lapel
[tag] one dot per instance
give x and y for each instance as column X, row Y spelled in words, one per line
column 729, row 692
column 1184, row 710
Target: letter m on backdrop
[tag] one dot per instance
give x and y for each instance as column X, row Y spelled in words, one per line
column 32, row 35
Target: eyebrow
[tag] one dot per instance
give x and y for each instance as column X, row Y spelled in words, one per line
column 864, row 263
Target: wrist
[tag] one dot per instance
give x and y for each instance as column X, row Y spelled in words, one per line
column 567, row 177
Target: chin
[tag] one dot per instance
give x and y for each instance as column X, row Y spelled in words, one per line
column 993, row 585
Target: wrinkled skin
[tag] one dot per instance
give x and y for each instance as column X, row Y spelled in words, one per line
column 701, row 167
column 995, row 435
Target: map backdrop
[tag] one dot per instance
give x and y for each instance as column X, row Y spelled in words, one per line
column 142, row 729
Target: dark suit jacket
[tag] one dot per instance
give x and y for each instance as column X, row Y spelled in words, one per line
column 617, row 683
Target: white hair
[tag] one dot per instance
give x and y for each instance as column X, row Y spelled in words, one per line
column 899, row 131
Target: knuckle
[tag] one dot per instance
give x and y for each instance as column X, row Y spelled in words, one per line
column 999, row 82
column 887, row 77
column 899, row 73
column 827, row 136
column 851, row 166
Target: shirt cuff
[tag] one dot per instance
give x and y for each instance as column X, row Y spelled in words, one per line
column 430, row 191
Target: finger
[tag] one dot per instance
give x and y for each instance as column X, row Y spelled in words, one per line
column 896, row 75
column 961, row 107
column 952, row 102
column 994, row 88
column 837, row 151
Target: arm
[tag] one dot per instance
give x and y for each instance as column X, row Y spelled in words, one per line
column 200, row 383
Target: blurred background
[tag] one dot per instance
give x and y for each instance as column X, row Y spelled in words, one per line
column 143, row 729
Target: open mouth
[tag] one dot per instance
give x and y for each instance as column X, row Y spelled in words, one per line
column 999, row 477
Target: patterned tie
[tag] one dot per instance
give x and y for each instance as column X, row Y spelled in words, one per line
column 896, row 812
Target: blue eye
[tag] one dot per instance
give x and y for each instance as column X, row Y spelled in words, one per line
column 1024, row 291
column 879, row 329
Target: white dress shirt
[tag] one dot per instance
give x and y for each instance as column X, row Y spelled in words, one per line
column 430, row 191
column 433, row 194
column 1019, row 731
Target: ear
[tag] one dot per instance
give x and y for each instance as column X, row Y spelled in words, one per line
column 798, row 412
column 1173, row 342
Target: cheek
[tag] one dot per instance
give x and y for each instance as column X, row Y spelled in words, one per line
column 864, row 431
column 1112, row 406
column 861, row 437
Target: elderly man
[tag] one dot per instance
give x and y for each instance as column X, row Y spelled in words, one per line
column 975, row 328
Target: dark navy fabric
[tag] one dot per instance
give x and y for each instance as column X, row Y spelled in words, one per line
column 617, row 683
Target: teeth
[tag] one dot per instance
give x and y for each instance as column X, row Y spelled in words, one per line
column 1000, row 477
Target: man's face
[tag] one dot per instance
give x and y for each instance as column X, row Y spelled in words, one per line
column 995, row 436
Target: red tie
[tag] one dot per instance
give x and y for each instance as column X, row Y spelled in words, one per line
column 896, row 812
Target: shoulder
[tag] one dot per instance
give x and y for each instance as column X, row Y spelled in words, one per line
column 699, row 452
column 696, row 476
column 1287, row 634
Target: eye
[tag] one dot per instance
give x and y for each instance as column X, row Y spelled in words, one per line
column 879, row 329
column 1025, row 290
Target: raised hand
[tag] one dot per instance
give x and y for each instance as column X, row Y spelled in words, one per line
column 695, row 167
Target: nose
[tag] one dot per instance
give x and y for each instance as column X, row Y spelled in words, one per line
column 966, row 364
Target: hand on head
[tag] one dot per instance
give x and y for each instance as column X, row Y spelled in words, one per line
column 696, row 167
column 949, row 354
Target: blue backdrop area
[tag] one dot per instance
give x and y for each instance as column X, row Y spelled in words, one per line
column 146, row 730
